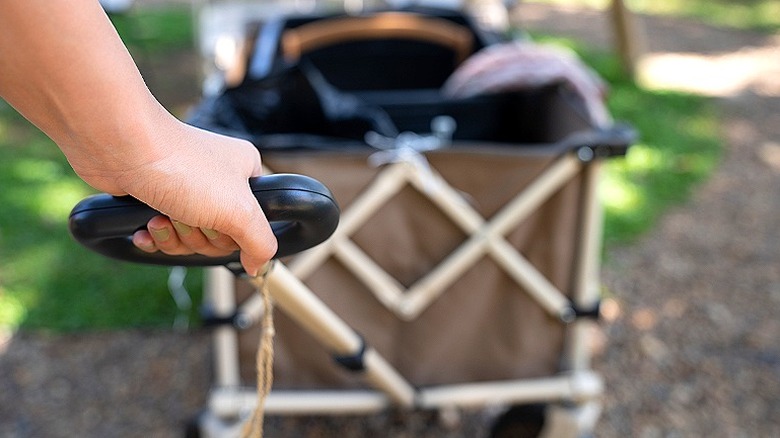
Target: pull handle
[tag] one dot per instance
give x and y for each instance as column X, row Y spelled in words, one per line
column 301, row 210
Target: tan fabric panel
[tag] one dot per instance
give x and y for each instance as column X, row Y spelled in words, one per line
column 484, row 327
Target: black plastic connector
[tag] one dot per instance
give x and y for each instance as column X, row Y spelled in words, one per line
column 353, row 362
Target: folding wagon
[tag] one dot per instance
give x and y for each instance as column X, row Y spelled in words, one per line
column 464, row 272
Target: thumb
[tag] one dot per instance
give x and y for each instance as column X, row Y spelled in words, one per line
column 253, row 233
column 255, row 238
column 257, row 169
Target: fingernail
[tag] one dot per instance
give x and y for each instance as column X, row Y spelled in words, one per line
column 181, row 228
column 148, row 246
column 209, row 233
column 160, row 234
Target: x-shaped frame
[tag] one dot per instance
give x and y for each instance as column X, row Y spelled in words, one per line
column 484, row 238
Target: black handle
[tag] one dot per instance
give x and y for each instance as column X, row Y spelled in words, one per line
column 301, row 210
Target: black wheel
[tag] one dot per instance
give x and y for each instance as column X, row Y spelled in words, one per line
column 192, row 428
column 520, row 421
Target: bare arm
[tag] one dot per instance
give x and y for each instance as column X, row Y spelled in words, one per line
column 63, row 66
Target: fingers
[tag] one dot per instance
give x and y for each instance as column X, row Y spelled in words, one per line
column 257, row 241
column 143, row 241
column 254, row 236
column 177, row 238
column 216, row 219
column 255, row 259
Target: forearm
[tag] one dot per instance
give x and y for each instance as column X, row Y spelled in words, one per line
column 63, row 66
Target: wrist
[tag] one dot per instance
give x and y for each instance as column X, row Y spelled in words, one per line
column 126, row 139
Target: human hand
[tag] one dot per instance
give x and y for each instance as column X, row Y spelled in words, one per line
column 199, row 180
column 177, row 238
column 75, row 80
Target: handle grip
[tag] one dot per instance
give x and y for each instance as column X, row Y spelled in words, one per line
column 301, row 210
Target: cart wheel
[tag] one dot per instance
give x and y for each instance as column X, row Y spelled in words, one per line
column 192, row 428
column 520, row 421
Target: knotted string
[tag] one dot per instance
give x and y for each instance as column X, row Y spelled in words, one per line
column 265, row 357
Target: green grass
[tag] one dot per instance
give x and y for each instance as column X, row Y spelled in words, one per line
column 761, row 15
column 679, row 146
column 49, row 282
column 156, row 30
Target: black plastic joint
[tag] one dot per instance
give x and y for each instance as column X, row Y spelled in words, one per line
column 586, row 154
column 592, row 312
column 236, row 320
column 209, row 319
column 353, row 362
column 613, row 142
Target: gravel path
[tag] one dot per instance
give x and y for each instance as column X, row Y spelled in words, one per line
column 693, row 350
column 692, row 343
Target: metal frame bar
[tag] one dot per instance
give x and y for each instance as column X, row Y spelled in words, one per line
column 220, row 291
column 586, row 293
column 581, row 386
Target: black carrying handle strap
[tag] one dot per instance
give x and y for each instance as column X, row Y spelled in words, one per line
column 301, row 210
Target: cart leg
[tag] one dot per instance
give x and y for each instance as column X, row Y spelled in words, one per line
column 580, row 418
column 212, row 426
column 570, row 422
column 220, row 290
column 587, row 292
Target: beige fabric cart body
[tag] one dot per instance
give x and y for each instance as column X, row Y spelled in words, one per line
column 464, row 274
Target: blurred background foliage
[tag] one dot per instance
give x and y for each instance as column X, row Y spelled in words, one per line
column 47, row 282
column 761, row 15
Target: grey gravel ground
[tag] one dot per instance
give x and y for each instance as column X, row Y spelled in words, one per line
column 694, row 350
column 692, row 343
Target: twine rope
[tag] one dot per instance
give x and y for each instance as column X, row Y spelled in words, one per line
column 265, row 357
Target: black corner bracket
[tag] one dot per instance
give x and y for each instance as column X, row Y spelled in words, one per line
column 353, row 362
column 592, row 312
column 575, row 312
